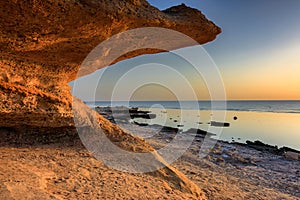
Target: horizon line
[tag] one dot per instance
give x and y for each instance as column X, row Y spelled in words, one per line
column 195, row 100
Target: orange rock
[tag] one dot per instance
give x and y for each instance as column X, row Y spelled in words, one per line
column 34, row 76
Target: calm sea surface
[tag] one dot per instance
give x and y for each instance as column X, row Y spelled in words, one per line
column 273, row 122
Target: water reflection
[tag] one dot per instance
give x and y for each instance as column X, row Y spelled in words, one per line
column 282, row 129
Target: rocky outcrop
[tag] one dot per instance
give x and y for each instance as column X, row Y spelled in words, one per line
column 43, row 43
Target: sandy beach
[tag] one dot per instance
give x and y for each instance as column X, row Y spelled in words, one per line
column 64, row 169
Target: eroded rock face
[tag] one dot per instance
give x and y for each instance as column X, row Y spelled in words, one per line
column 43, row 43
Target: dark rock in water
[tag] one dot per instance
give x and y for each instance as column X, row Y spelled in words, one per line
column 120, row 109
column 260, row 146
column 288, row 149
column 169, row 129
column 219, row 124
column 123, row 113
column 143, row 116
column 136, row 111
column 133, row 110
column 175, row 120
column 198, row 132
column 200, row 122
column 103, row 110
column 140, row 124
column 180, row 125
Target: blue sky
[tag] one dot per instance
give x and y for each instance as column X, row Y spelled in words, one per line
column 259, row 47
column 258, row 52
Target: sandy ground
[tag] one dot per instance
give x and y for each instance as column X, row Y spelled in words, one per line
column 66, row 170
column 59, row 171
column 232, row 171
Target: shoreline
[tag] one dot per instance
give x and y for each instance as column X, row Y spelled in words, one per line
column 252, row 170
column 207, row 106
column 67, row 170
column 256, row 143
column 232, row 170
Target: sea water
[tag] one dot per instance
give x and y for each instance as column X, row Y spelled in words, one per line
column 272, row 122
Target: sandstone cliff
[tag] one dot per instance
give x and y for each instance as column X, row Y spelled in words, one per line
column 43, row 43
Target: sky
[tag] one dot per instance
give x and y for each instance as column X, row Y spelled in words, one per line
column 257, row 55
